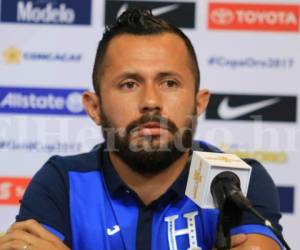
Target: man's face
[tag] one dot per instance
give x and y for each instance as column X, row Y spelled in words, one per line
column 147, row 99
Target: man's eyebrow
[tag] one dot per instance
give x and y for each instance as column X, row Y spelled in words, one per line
column 131, row 75
column 161, row 75
column 139, row 77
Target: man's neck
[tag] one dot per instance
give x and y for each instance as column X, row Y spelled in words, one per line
column 149, row 187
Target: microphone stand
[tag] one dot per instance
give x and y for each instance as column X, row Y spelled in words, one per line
column 222, row 241
column 230, row 215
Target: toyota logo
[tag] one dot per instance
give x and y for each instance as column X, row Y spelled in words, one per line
column 222, row 16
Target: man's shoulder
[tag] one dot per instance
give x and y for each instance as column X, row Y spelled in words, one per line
column 57, row 168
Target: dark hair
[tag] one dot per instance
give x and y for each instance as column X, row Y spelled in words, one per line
column 139, row 21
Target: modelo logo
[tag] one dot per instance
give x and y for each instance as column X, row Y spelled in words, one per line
column 41, row 101
column 26, row 12
column 46, row 12
column 239, row 16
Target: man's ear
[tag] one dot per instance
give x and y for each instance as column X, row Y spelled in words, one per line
column 91, row 105
column 202, row 99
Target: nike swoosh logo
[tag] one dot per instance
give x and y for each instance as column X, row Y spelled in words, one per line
column 114, row 230
column 227, row 112
column 123, row 8
column 156, row 11
column 165, row 9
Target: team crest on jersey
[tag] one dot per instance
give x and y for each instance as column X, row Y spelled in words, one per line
column 190, row 231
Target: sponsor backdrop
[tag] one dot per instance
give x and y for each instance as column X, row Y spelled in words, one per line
column 249, row 58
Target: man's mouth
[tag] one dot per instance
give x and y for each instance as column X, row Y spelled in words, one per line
column 150, row 129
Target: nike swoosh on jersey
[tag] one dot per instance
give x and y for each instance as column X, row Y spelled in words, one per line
column 227, row 112
column 156, row 11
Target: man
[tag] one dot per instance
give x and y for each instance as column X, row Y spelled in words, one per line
column 128, row 193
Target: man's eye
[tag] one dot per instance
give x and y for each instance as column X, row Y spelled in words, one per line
column 128, row 85
column 170, row 84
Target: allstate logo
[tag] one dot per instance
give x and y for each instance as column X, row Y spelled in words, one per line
column 74, row 102
column 50, row 101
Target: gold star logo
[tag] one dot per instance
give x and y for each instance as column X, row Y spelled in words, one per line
column 197, row 175
column 12, row 55
column 197, row 178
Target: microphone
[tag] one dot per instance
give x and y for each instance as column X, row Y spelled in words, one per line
column 226, row 187
column 204, row 169
column 213, row 178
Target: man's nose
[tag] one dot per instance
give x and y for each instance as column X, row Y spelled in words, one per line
column 151, row 100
